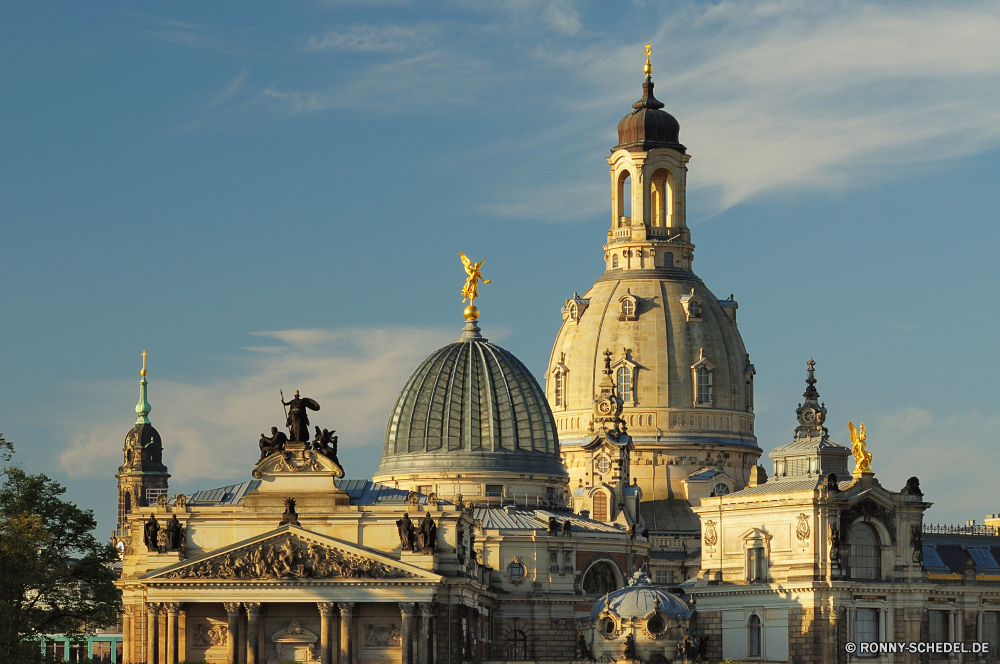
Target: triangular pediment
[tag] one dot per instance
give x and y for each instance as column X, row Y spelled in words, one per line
column 291, row 553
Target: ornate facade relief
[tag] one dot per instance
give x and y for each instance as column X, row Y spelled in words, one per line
column 287, row 557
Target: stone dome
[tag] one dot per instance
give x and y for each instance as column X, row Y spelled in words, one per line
column 648, row 126
column 471, row 408
column 640, row 599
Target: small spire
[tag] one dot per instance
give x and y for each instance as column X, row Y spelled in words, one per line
column 648, row 69
column 143, row 407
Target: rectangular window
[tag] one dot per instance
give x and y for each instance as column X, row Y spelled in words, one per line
column 153, row 494
column 55, row 649
column 938, row 626
column 101, row 651
column 559, row 389
column 865, row 626
column 991, row 632
column 756, row 569
column 494, row 490
column 550, row 495
column 704, row 379
column 664, row 577
column 425, row 489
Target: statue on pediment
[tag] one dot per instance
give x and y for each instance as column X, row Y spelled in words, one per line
column 276, row 443
column 407, row 533
column 296, row 417
column 428, row 534
column 326, row 444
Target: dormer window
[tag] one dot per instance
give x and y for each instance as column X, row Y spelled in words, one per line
column 693, row 307
column 628, row 307
column 703, row 373
column 574, row 308
column 625, row 383
column 559, row 381
column 560, row 378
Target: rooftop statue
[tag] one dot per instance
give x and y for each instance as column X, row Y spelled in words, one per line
column 296, row 417
column 862, row 457
column 470, row 290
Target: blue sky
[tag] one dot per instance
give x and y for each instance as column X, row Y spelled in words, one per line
column 274, row 195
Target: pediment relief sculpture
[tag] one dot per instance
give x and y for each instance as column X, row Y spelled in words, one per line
column 297, row 459
column 287, row 558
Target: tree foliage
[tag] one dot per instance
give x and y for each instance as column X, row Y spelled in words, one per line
column 55, row 577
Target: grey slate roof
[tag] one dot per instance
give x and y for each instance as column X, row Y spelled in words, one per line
column 947, row 553
column 703, row 474
column 366, row 492
column 495, row 518
column 640, row 598
column 806, row 484
column 226, row 495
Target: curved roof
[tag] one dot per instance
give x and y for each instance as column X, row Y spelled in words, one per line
column 647, row 126
column 639, row 599
column 471, row 406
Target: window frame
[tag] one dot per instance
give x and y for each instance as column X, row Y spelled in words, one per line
column 755, row 631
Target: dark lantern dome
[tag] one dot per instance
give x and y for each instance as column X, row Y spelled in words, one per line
column 648, row 126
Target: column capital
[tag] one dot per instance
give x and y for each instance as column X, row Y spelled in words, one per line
column 427, row 609
column 347, row 608
column 172, row 608
column 153, row 607
column 407, row 608
column 253, row 609
column 326, row 608
column 232, row 607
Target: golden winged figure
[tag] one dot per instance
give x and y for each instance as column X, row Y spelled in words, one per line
column 470, row 290
column 862, row 457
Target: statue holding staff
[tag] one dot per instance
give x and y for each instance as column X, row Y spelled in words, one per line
column 297, row 419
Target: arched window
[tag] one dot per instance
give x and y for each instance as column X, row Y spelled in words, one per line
column 625, row 383
column 660, row 197
column 517, row 646
column 753, row 636
column 614, row 261
column 865, row 559
column 628, row 307
column 668, row 259
column 720, row 490
column 704, row 377
column 128, row 503
column 599, row 580
column 624, row 199
column 600, row 506
column 560, row 377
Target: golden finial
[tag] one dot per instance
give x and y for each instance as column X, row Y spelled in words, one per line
column 470, row 291
column 648, row 68
column 862, row 457
column 143, row 372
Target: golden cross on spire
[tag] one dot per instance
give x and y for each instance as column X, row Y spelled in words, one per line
column 143, row 372
column 648, row 68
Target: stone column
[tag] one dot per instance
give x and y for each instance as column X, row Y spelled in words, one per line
column 423, row 648
column 406, row 614
column 126, row 635
column 233, row 613
column 182, row 653
column 253, row 622
column 325, row 615
column 172, row 609
column 152, row 621
column 346, row 631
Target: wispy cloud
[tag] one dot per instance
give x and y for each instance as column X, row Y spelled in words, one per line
column 365, row 38
column 211, row 430
column 914, row 441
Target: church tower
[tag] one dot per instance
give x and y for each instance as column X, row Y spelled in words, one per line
column 676, row 355
column 142, row 478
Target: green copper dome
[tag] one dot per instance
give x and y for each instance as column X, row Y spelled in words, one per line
column 471, row 406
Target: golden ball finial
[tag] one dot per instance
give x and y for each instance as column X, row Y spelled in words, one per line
column 471, row 312
column 649, row 67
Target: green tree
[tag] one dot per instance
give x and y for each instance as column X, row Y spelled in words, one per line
column 55, row 577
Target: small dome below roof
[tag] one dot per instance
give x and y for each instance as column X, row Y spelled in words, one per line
column 471, row 407
column 648, row 126
column 640, row 599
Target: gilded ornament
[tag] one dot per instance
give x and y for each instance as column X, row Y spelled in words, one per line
column 470, row 291
column 862, row 457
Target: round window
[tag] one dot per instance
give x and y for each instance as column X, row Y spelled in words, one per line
column 516, row 571
column 603, row 466
column 609, row 626
column 655, row 624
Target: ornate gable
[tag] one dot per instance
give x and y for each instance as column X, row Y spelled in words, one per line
column 291, row 553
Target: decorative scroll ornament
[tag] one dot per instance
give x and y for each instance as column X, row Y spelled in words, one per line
column 297, row 458
column 862, row 457
column 802, row 530
column 292, row 559
column 711, row 535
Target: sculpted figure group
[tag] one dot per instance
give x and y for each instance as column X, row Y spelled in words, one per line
column 164, row 540
column 422, row 540
column 297, row 421
column 290, row 560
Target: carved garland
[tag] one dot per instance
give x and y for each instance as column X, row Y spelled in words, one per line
column 711, row 536
column 802, row 530
column 293, row 559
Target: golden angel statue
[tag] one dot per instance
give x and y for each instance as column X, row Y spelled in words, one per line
column 470, row 290
column 862, row 457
